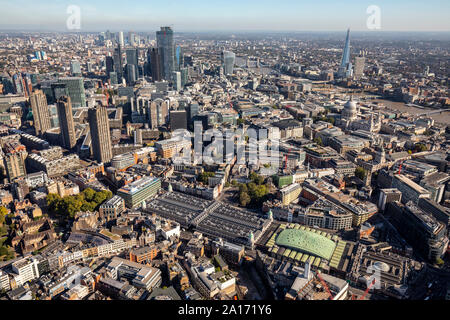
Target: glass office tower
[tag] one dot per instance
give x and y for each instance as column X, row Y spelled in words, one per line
column 228, row 61
column 132, row 59
column 166, row 48
column 75, row 88
column 75, row 68
column 345, row 69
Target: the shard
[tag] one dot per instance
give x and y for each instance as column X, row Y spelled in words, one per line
column 345, row 70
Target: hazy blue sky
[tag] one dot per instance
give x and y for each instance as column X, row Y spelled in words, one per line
column 226, row 15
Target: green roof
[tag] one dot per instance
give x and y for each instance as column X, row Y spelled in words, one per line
column 307, row 242
column 316, row 262
column 293, row 254
column 337, row 255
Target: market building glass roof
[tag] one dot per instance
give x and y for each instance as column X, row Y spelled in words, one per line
column 307, row 242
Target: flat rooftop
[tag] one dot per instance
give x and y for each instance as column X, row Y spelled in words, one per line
column 137, row 185
column 410, row 183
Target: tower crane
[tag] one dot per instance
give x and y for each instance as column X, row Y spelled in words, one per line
column 229, row 101
column 366, row 292
column 286, row 159
column 324, row 284
column 400, row 168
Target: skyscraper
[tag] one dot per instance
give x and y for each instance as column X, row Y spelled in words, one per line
column 166, row 47
column 184, row 76
column 75, row 68
column 345, row 68
column 121, row 39
column 178, row 120
column 118, row 62
column 75, row 87
column 131, row 38
column 14, row 165
column 64, row 106
column 179, row 57
column 192, row 111
column 14, row 160
column 100, row 135
column 113, row 77
column 158, row 113
column 41, row 113
column 359, row 66
column 132, row 59
column 228, row 60
column 130, row 74
column 59, row 90
column 109, row 65
column 18, row 83
column 176, row 80
column 155, row 60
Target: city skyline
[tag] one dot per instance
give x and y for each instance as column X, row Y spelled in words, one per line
column 200, row 15
column 150, row 163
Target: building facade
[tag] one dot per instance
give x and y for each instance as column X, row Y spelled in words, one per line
column 100, row 134
column 66, row 125
column 41, row 113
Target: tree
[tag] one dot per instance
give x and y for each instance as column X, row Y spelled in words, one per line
column 53, row 203
column 203, row 177
column 100, row 197
column 4, row 251
column 72, row 206
column 244, row 199
column 318, row 141
column 260, row 191
column 257, row 193
column 360, row 173
column 69, row 206
column 3, row 213
column 331, row 120
column 89, row 194
column 420, row 147
column 243, row 188
column 257, row 179
column 88, row 206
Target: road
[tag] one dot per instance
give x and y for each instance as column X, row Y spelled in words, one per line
column 439, row 279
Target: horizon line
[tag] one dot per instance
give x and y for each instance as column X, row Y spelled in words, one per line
column 225, row 31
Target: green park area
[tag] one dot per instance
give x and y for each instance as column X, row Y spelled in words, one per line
column 68, row 207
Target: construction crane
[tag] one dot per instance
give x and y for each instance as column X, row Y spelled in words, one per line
column 400, row 168
column 324, row 285
column 368, row 289
column 229, row 101
column 105, row 92
column 366, row 292
column 286, row 159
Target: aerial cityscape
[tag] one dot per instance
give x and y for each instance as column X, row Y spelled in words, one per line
column 182, row 162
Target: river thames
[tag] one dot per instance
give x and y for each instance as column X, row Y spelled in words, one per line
column 443, row 118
